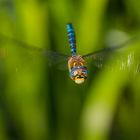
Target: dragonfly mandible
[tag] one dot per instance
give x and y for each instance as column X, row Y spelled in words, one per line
column 76, row 63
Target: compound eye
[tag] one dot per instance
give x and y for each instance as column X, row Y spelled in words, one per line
column 84, row 72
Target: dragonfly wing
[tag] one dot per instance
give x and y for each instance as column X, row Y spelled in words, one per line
column 56, row 59
column 99, row 58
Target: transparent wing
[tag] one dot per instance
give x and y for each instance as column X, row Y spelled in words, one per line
column 56, row 59
column 99, row 58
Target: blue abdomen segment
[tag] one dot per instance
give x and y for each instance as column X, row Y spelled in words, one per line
column 71, row 38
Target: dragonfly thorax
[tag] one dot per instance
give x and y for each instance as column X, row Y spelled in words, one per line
column 77, row 69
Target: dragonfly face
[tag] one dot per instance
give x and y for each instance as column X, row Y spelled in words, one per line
column 77, row 69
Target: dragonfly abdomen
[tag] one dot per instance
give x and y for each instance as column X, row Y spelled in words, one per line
column 71, row 38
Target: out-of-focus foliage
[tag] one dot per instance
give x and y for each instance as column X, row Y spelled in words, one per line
column 38, row 102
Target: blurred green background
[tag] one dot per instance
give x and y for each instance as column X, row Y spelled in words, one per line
column 38, row 102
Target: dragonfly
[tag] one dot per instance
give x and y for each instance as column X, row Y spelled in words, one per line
column 76, row 63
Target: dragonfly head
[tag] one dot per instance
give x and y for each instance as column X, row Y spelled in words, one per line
column 79, row 74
